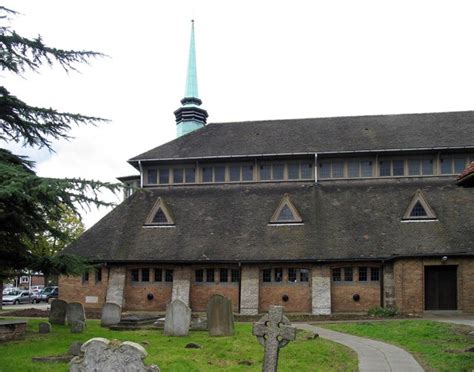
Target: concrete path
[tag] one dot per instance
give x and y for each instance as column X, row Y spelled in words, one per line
column 450, row 317
column 374, row 356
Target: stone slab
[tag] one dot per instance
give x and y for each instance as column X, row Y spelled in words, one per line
column 44, row 327
column 57, row 314
column 74, row 312
column 220, row 318
column 111, row 314
column 177, row 319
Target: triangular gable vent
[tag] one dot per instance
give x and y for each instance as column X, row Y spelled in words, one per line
column 286, row 212
column 160, row 215
column 419, row 209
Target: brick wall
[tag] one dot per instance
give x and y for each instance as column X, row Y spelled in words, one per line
column 90, row 293
column 409, row 278
column 202, row 292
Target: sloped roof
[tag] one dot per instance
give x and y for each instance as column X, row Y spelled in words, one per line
column 342, row 220
column 359, row 133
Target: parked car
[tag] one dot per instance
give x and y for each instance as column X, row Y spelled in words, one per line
column 10, row 289
column 45, row 294
column 37, row 288
column 16, row 297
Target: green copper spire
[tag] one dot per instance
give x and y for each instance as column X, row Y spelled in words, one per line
column 191, row 81
column 190, row 116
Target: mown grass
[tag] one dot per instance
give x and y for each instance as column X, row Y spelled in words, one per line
column 169, row 353
column 437, row 346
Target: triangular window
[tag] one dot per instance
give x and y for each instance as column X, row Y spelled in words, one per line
column 419, row 209
column 286, row 212
column 160, row 215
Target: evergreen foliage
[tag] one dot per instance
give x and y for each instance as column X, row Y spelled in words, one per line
column 31, row 206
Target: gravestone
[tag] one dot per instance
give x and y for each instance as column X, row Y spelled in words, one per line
column 57, row 314
column 177, row 319
column 44, row 327
column 74, row 312
column 220, row 319
column 273, row 331
column 111, row 314
column 77, row 326
column 100, row 354
column 75, row 348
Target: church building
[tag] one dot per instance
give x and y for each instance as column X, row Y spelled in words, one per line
column 321, row 216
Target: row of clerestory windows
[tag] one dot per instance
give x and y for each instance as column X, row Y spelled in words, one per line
column 348, row 274
column 289, row 275
column 147, row 275
column 209, row 275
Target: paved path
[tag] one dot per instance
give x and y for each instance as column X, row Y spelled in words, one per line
column 373, row 355
column 447, row 317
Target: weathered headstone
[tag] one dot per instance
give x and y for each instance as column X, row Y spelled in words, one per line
column 273, row 331
column 177, row 319
column 100, row 354
column 77, row 326
column 75, row 348
column 44, row 327
column 74, row 312
column 111, row 314
column 57, row 314
column 220, row 319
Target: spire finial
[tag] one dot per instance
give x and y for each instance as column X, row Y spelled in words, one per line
column 191, row 79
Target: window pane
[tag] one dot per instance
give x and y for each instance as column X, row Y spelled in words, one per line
column 219, row 174
column 199, row 275
column 446, row 166
column 85, row 277
column 278, row 275
column 134, row 275
column 265, row 172
column 348, row 274
column 285, row 214
column 206, row 174
column 413, row 167
column 427, row 166
column 374, row 274
column 353, row 168
column 304, row 275
column 178, row 175
column 306, row 171
column 336, row 275
column 459, row 165
column 190, row 174
column 235, row 275
column 164, row 175
column 337, row 169
column 278, row 170
column 224, row 275
column 152, row 176
column 98, row 275
column 247, row 173
column 324, row 170
column 398, row 168
column 210, row 275
column 418, row 210
column 145, row 275
column 362, row 274
column 293, row 171
column 168, row 275
column 158, row 275
column 292, row 275
column 160, row 217
column 234, row 173
column 366, row 168
column 267, row 275
column 384, row 168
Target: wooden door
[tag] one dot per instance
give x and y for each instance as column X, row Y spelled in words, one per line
column 441, row 287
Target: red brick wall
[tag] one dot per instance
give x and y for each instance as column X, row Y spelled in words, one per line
column 409, row 283
column 202, row 292
column 299, row 294
column 72, row 289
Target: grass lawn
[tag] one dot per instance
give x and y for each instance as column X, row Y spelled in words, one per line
column 437, row 346
column 217, row 353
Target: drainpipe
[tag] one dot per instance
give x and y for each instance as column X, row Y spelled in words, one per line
column 141, row 173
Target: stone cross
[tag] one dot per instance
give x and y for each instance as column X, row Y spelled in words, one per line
column 273, row 332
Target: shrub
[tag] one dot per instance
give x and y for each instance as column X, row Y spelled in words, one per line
column 384, row 312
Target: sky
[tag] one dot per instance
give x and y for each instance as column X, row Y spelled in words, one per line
column 256, row 60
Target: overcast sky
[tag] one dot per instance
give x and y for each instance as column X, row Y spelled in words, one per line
column 256, row 60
